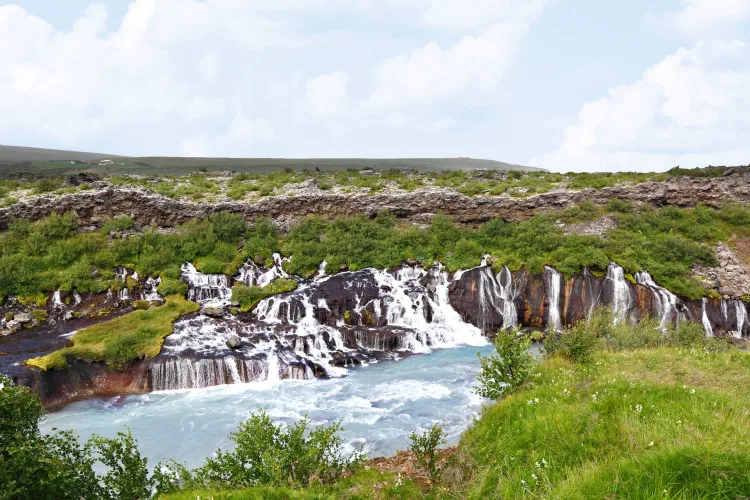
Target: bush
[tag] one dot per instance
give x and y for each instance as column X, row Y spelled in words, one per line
column 505, row 371
column 249, row 296
column 169, row 286
column 424, row 446
column 122, row 223
column 267, row 454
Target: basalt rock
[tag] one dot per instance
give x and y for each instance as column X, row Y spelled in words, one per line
column 106, row 201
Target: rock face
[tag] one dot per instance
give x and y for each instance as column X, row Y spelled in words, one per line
column 481, row 299
column 108, row 200
column 732, row 276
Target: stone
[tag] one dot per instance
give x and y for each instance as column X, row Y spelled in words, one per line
column 234, row 342
column 69, row 316
column 13, row 326
column 22, row 318
column 215, row 311
column 95, row 273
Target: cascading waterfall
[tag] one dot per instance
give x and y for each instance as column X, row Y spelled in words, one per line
column 508, row 292
column 740, row 316
column 185, row 373
column 150, row 292
column 251, row 275
column 554, row 284
column 204, row 288
column 665, row 301
column 621, row 300
column 704, row 318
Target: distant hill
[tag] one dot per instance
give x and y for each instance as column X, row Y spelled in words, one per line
column 16, row 159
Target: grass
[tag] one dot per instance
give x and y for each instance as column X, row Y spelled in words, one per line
column 249, row 296
column 367, row 483
column 136, row 335
column 667, row 422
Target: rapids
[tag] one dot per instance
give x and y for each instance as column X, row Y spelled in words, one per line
column 378, row 405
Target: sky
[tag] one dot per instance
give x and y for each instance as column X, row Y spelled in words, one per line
column 566, row 85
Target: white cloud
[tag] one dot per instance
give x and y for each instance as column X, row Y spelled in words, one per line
column 685, row 110
column 209, row 66
column 431, row 73
column 327, row 95
column 464, row 14
column 240, row 139
column 701, row 17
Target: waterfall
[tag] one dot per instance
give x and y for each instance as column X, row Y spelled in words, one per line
column 740, row 316
column 508, row 292
column 621, row 300
column 252, row 275
column 204, row 288
column 554, row 284
column 185, row 373
column 57, row 303
column 704, row 318
column 123, row 294
column 321, row 269
column 665, row 301
column 150, row 292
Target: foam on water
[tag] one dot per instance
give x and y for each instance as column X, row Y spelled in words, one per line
column 380, row 405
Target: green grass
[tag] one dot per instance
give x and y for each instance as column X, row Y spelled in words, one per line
column 136, row 335
column 249, row 296
column 364, row 484
column 657, row 423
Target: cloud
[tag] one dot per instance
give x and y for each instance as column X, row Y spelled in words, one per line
column 687, row 110
column 327, row 95
column 432, row 73
column 700, row 17
column 466, row 14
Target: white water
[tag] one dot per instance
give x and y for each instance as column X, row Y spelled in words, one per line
column 379, row 406
column 704, row 318
column 621, row 300
column 740, row 316
column 665, row 301
column 508, row 291
column 206, row 288
column 553, row 280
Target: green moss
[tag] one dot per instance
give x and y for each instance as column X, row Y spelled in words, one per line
column 38, row 300
column 136, row 335
column 249, row 296
column 141, row 304
column 39, row 314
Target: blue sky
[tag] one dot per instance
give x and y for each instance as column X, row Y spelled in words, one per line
column 561, row 84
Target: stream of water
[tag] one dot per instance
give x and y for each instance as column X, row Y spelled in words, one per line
column 379, row 406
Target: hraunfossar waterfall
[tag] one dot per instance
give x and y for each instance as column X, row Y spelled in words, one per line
column 386, row 350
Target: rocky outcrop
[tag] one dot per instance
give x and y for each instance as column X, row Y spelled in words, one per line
column 731, row 278
column 106, row 200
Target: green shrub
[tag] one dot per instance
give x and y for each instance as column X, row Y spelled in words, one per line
column 39, row 314
column 249, row 296
column 267, row 454
column 169, row 286
column 424, row 447
column 121, row 223
column 505, row 371
column 141, row 304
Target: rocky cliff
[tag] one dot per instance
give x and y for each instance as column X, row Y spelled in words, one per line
column 108, row 200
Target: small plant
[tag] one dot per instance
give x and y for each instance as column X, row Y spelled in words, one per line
column 503, row 372
column 270, row 454
column 424, row 446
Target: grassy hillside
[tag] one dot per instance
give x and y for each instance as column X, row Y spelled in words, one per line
column 15, row 159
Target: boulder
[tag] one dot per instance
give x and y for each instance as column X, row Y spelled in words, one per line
column 22, row 318
column 69, row 316
column 234, row 342
column 13, row 326
column 214, row 311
